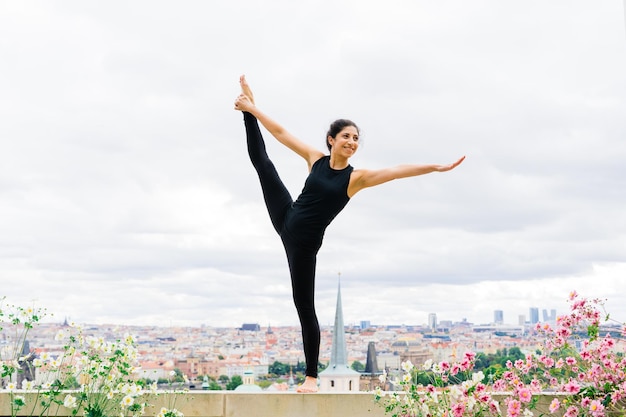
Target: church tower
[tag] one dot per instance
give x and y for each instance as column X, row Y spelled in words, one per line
column 338, row 376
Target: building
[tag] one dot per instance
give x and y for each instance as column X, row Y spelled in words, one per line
column 370, row 376
column 534, row 315
column 498, row 317
column 432, row 321
column 338, row 376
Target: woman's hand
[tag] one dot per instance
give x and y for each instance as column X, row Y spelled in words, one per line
column 243, row 103
column 444, row 168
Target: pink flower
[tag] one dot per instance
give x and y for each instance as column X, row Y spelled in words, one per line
column 535, row 385
column 572, row 411
column 470, row 355
column 513, row 408
column 458, row 409
column 456, row 368
column 572, row 387
column 499, row 385
column 484, row 398
column 524, row 395
column 465, row 364
column 554, row 405
column 596, row 408
column 570, row 361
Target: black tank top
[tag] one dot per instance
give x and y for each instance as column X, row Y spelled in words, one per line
column 324, row 195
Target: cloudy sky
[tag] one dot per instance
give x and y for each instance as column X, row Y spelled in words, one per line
column 126, row 194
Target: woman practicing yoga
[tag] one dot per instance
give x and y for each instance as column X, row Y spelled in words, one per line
column 301, row 223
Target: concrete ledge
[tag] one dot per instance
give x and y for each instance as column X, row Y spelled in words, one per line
column 262, row 404
column 232, row 404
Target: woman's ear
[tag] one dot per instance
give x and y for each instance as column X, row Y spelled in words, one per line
column 330, row 140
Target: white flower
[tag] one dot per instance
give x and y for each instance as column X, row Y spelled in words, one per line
column 110, row 395
column 45, row 356
column 437, row 368
column 172, row 373
column 127, row 401
column 60, row 335
column 11, row 386
column 406, row 378
column 427, row 365
column 478, row 376
column 382, row 377
column 528, row 413
column 379, row 392
column 407, row 366
column 129, row 339
column 471, row 402
column 69, row 401
column 455, row 392
column 28, row 385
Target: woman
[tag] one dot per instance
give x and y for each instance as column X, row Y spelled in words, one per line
column 301, row 223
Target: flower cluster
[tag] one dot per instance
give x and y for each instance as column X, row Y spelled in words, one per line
column 90, row 376
column 451, row 390
column 584, row 370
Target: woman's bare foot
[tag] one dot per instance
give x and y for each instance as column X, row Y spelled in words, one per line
column 245, row 88
column 309, row 385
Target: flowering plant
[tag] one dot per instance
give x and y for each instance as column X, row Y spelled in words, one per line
column 171, row 395
column 89, row 375
column 585, row 371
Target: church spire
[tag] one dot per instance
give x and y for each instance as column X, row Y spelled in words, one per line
column 338, row 376
column 338, row 354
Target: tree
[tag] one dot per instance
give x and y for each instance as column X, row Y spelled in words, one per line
column 235, row 381
column 358, row 366
column 278, row 368
column 223, row 379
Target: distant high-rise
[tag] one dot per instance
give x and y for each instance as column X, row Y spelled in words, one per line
column 432, row 321
column 534, row 315
column 498, row 316
column 521, row 319
column 365, row 324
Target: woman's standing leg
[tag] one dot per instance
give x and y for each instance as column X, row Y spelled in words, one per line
column 302, row 264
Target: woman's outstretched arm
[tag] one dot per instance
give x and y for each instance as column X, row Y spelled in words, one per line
column 306, row 151
column 364, row 178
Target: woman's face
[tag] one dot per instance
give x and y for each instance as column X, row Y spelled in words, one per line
column 346, row 142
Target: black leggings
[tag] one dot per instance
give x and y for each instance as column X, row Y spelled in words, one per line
column 301, row 259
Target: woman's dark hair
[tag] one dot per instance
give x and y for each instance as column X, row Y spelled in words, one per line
column 336, row 127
